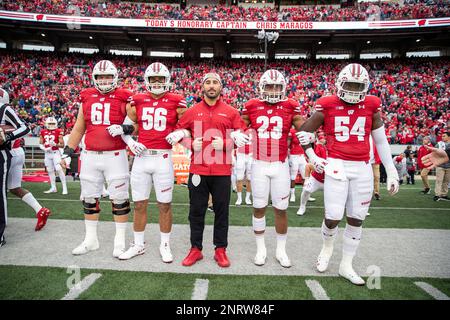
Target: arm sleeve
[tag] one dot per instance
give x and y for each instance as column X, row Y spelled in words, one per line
column 384, row 151
column 21, row 128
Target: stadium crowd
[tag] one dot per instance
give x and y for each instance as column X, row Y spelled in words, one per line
column 415, row 93
column 411, row 9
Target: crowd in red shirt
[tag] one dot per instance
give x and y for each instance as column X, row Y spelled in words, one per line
column 414, row 92
column 115, row 9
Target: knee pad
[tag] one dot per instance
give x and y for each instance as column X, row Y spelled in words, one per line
column 259, row 224
column 120, row 207
column 91, row 206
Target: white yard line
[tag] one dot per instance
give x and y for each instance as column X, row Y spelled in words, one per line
column 432, row 291
column 82, row 286
column 200, row 289
column 317, row 290
column 247, row 206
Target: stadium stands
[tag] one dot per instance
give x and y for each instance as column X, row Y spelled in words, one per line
column 415, row 92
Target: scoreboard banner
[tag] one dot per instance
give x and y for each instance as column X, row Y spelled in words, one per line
column 74, row 22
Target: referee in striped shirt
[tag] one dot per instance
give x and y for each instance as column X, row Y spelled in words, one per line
column 7, row 117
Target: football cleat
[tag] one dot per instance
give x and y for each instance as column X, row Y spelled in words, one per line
column 166, row 254
column 85, row 247
column 283, row 259
column 323, row 260
column 42, row 217
column 260, row 258
column 238, row 202
column 301, row 211
column 51, row 190
column 248, row 201
column 348, row 273
column 133, row 251
column 311, row 199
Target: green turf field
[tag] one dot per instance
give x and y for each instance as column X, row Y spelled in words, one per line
column 408, row 209
column 50, row 283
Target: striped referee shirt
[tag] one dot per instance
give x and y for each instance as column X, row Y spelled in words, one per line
column 9, row 117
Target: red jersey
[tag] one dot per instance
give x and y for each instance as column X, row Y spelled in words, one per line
column 321, row 151
column 207, row 122
column 295, row 148
column 348, row 126
column 156, row 118
column 100, row 111
column 16, row 143
column 51, row 137
column 271, row 124
column 422, row 152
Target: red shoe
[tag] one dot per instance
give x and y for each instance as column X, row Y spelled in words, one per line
column 42, row 217
column 221, row 257
column 194, row 255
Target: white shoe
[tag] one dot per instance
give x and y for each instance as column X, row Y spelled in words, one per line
column 323, row 260
column 133, row 251
column 238, row 202
column 368, row 214
column 166, row 254
column 260, row 258
column 311, row 199
column 248, row 201
column 65, row 192
column 283, row 259
column 301, row 211
column 85, row 247
column 292, row 199
column 119, row 248
column 348, row 273
column 51, row 190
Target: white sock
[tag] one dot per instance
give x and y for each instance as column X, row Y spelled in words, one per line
column 351, row 239
column 328, row 237
column 292, row 190
column 30, row 200
column 260, row 243
column 304, row 198
column 239, row 196
column 165, row 238
column 139, row 238
column 248, row 196
column 281, row 242
column 119, row 238
column 62, row 176
column 91, row 230
column 52, row 176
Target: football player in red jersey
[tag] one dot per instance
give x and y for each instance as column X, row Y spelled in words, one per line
column 271, row 118
column 50, row 140
column 348, row 119
column 297, row 161
column 104, row 157
column 313, row 180
column 156, row 112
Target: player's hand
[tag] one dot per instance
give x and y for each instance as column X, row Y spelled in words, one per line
column 392, row 184
column 305, row 137
column 174, row 137
column 48, row 149
column 2, row 136
column 137, row 148
column 319, row 164
column 435, row 158
column 63, row 163
column 115, row 130
column 217, row 143
column 197, row 144
column 239, row 138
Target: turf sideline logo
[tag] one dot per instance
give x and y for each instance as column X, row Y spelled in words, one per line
column 74, row 281
column 374, row 279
